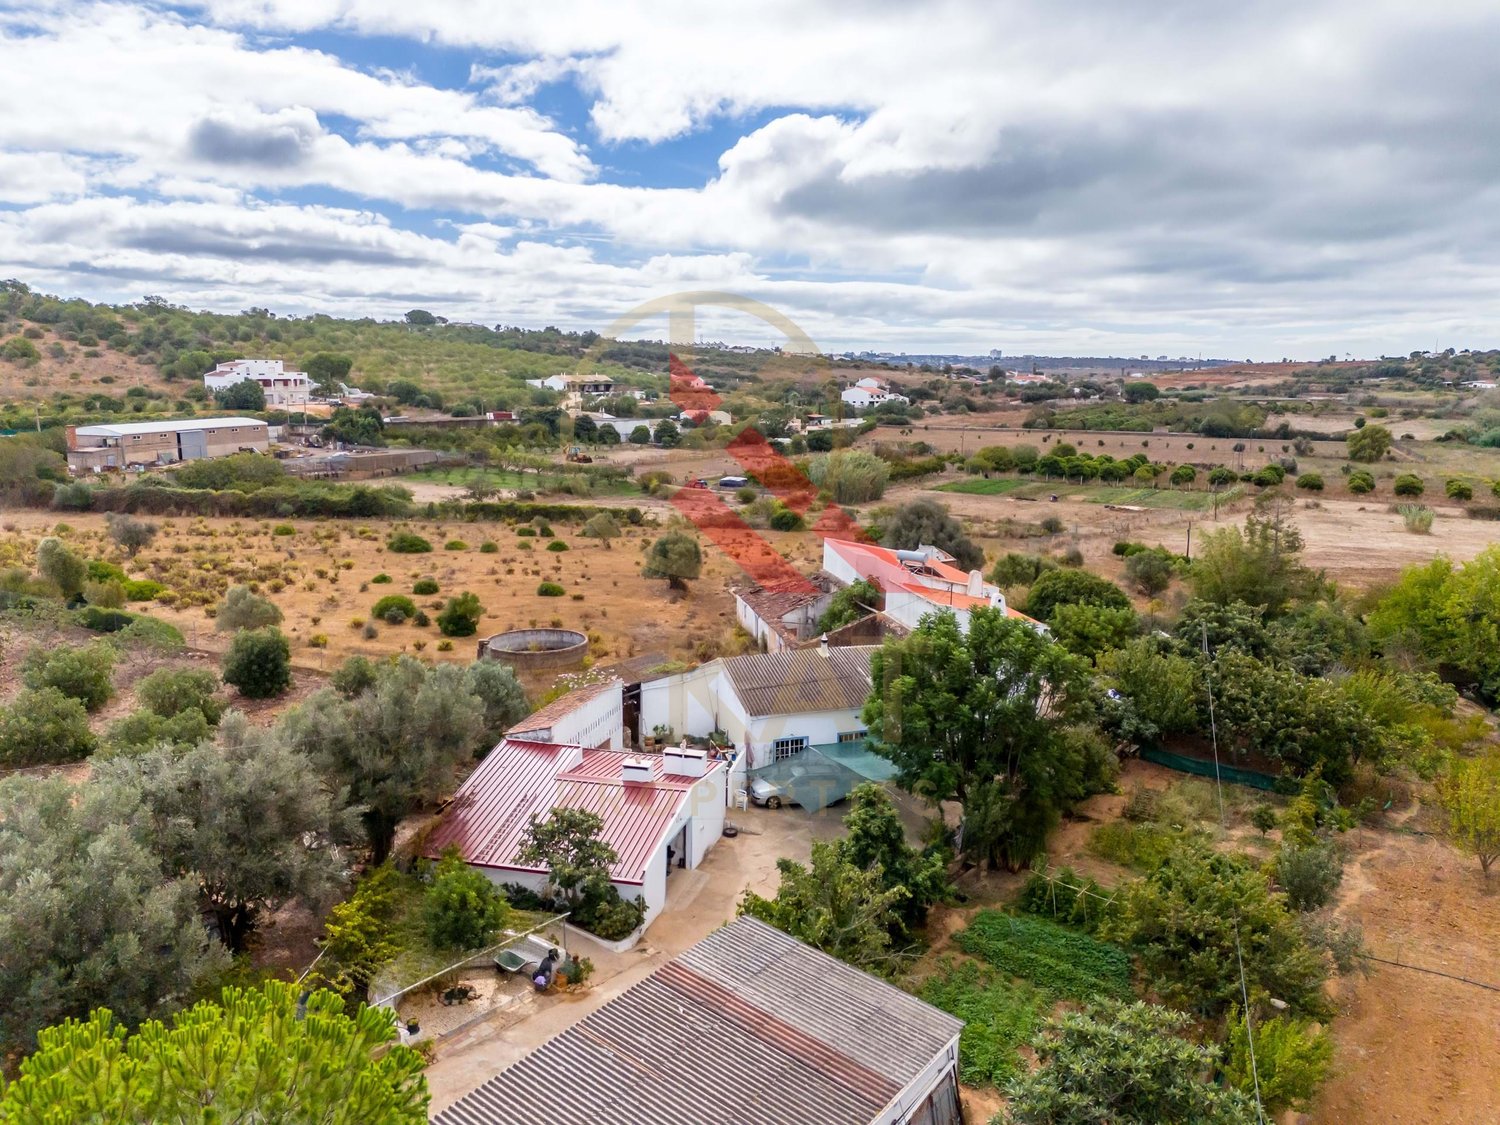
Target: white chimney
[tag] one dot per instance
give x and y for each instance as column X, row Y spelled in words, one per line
column 976, row 584
column 636, row 770
column 684, row 762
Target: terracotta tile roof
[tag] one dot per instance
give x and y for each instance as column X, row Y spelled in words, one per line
column 801, row 680
column 565, row 704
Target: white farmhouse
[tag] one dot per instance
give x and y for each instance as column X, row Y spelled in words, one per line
column 869, row 393
column 283, row 388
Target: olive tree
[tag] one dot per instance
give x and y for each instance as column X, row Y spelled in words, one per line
column 676, row 557
column 244, row 609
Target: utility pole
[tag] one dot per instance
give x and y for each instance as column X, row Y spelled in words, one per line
column 1190, row 540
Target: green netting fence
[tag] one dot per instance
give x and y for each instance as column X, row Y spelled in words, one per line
column 1198, row 766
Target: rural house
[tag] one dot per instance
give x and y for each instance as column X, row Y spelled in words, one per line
column 869, row 392
column 282, row 388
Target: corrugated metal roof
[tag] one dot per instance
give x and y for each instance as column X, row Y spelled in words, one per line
column 518, row 780
column 798, row 681
column 748, row 1027
column 181, row 425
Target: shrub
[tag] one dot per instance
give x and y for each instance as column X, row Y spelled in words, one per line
column 455, row 545
column 1408, row 484
column 1459, row 490
column 1019, row 570
column 171, row 691
column 380, row 579
column 394, row 609
column 462, row 909
column 1079, row 587
column 557, row 545
column 407, row 543
column 283, row 529
column 43, row 726
column 425, row 586
column 460, row 617
column 1361, row 482
column 421, row 620
column 97, row 620
column 83, row 673
column 1263, row 817
column 525, row 531
column 1309, row 875
column 141, row 589
column 445, row 646
column 785, row 519
column 1292, row 1058
column 746, row 495
column 1150, row 572
column 243, row 609
column 1310, row 482
column 259, row 663
column 1417, row 518
column 489, row 547
column 318, row 640
column 369, row 632
column 852, row 475
column 550, row 590
column 1052, row 525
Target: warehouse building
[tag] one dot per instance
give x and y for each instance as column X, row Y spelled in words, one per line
column 121, row 444
column 748, row 1027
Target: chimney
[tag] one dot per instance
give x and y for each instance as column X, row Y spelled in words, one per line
column 976, row 584
column 823, row 644
column 636, row 770
column 71, row 434
column 684, row 762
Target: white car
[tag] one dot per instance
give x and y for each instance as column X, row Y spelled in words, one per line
column 763, row 792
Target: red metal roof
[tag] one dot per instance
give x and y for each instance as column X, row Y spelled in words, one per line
column 519, row 780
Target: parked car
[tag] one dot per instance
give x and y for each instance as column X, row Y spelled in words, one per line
column 766, row 793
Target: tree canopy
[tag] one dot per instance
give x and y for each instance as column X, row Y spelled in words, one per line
column 676, row 557
column 260, row 1054
column 926, row 521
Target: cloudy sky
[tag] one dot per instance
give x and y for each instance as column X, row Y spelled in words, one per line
column 1257, row 179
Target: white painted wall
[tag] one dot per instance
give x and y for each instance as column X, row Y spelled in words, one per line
column 818, row 727
column 595, row 723
column 915, row 1092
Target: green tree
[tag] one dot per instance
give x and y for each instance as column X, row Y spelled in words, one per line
column 602, row 527
column 259, row 663
column 1292, row 1058
column 875, row 839
column 641, row 435
column 1368, row 443
column 851, row 476
column 85, row 915
column 1259, row 566
column 987, row 715
column 327, row 371
column 462, row 908
column 1150, row 572
column 244, row 609
column 676, row 557
column 461, row 616
column 83, row 672
column 501, row 696
column 855, row 601
column 1310, row 482
column 359, row 935
column 1140, row 391
column 130, row 533
column 1015, row 569
column 1448, row 615
column 1072, row 587
column 928, row 522
column 668, row 436
column 142, row 729
column 1470, row 792
column 245, row 816
column 247, row 394
column 835, row 906
column 1088, row 630
column 394, row 746
column 1160, row 692
column 261, row 1054
column 44, row 727
column 421, row 318
column 1193, row 918
column 1126, row 1064
column 171, row 691
column 1221, row 476
column 60, row 566
column 570, row 844
column 1183, row 474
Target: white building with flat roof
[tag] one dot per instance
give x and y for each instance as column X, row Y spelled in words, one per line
column 282, row 388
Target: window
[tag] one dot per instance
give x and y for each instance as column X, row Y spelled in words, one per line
column 853, row 735
column 786, row 747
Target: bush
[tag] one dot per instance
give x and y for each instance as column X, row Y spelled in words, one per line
column 243, row 609
column 1361, row 482
column 42, row 727
column 1292, row 1058
column 424, row 586
column 550, row 590
column 407, row 543
column 489, row 547
column 171, row 691
column 1310, row 482
column 525, row 531
column 97, row 620
column 1309, row 875
column 380, row 580
column 1052, row 525
column 460, row 617
column 142, row 730
column 455, row 545
column 1066, row 897
column 394, row 609
column 1150, row 572
column 785, row 519
column 1417, row 518
column 1019, row 570
column 1408, row 484
column 1459, row 490
column 1076, row 587
column 259, row 663
column 141, row 589
column 462, row 909
column 852, row 476
column 746, row 495
column 557, row 545
column 82, row 673
column 283, row 529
